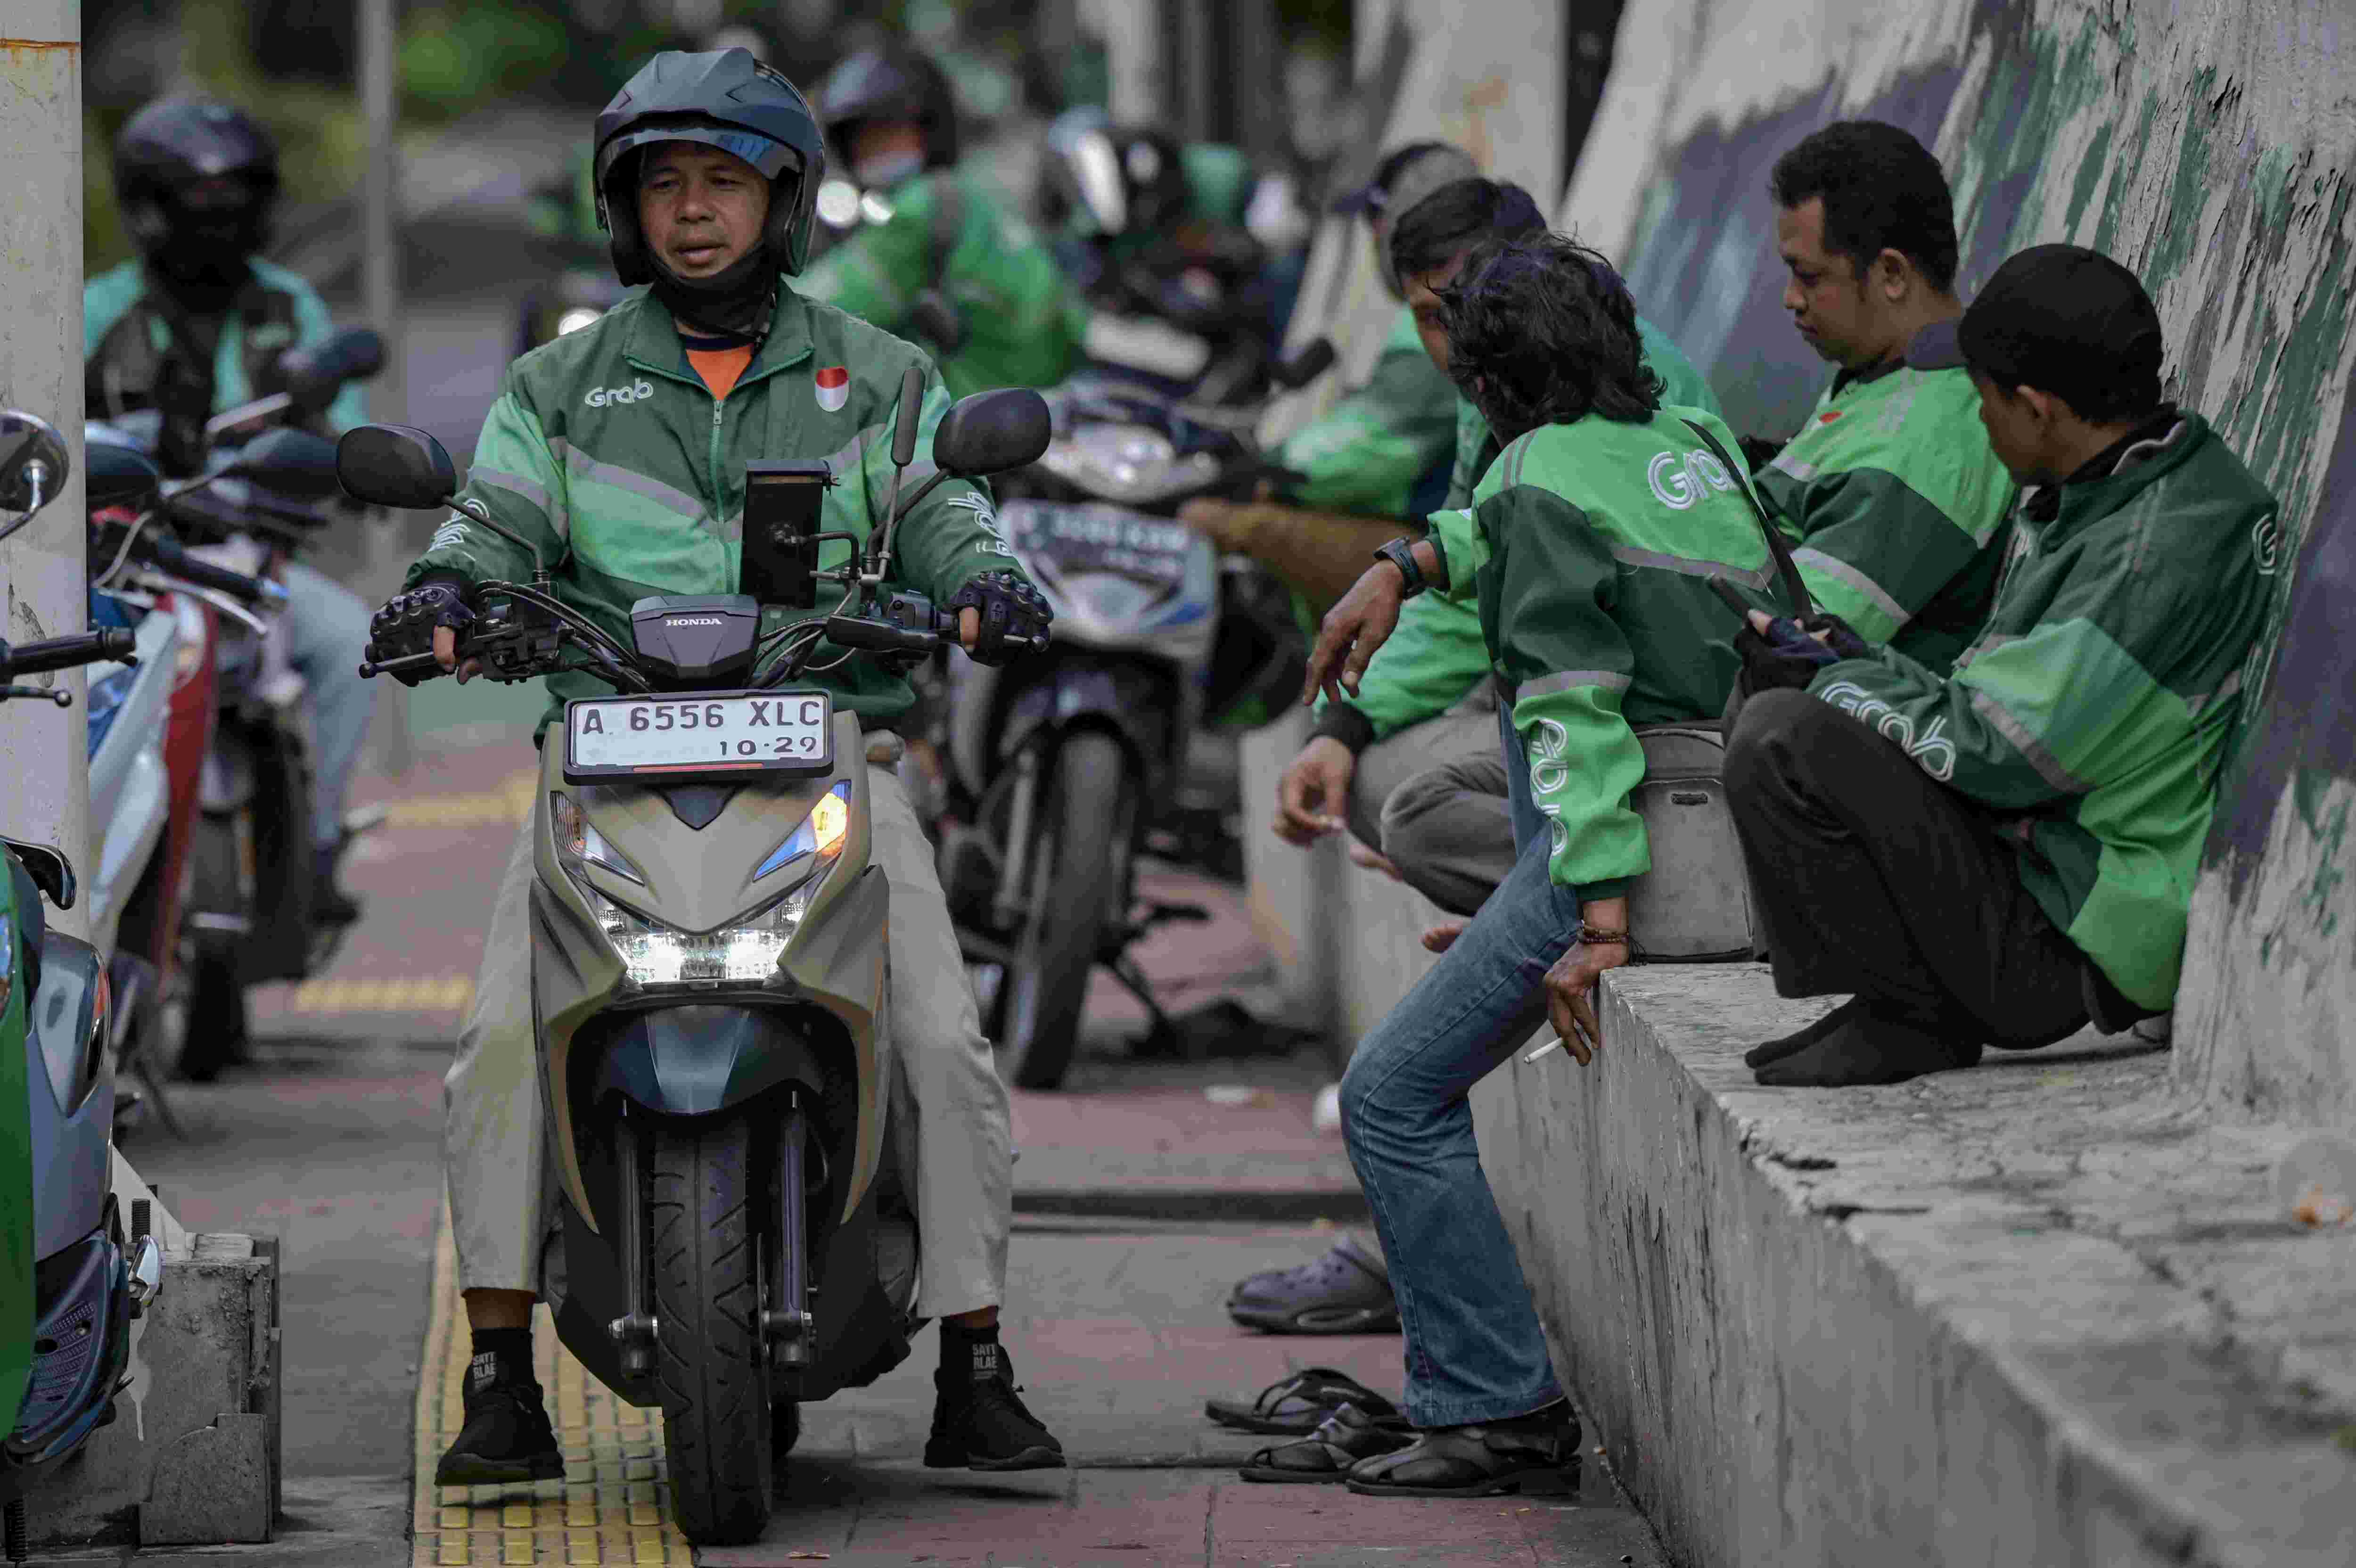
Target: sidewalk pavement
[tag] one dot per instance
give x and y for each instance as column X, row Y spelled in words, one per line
column 1132, row 1183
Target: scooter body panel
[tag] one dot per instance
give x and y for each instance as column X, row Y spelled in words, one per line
column 700, row 880
column 130, row 791
column 70, row 1096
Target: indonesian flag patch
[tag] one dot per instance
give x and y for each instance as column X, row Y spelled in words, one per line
column 834, row 386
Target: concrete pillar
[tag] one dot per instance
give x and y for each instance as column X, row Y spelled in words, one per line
column 47, row 795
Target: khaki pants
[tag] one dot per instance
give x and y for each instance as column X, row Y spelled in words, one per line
column 941, row 1071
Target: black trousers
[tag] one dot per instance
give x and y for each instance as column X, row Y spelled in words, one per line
column 1871, row 877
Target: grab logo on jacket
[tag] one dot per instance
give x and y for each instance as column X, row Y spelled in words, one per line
column 602, row 396
column 832, row 384
column 1679, row 482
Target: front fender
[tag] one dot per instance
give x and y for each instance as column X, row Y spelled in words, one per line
column 700, row 1057
column 1134, row 700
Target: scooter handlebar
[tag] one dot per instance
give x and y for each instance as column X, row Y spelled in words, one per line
column 173, row 557
column 107, row 645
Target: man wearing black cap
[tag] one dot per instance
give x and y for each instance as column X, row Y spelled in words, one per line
column 1999, row 854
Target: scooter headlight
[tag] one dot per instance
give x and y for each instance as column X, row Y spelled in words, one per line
column 578, row 840
column 821, row 833
column 746, row 953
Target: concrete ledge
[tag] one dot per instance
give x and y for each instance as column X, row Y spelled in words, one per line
column 192, row 1457
column 2033, row 1312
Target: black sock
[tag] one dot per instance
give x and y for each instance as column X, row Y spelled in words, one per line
column 501, row 1356
column 972, row 1352
column 1545, row 1418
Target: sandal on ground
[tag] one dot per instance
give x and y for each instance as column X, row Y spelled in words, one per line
column 1325, row 1455
column 1298, row 1405
column 1473, row 1461
column 1346, row 1291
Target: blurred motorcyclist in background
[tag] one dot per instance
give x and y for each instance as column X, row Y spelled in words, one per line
column 1121, row 195
column 939, row 259
column 1380, row 460
column 195, row 326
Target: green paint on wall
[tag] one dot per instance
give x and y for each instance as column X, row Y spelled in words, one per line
column 2090, row 169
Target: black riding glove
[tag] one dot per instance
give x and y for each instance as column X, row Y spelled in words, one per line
column 1012, row 613
column 1784, row 656
column 405, row 626
column 1841, row 636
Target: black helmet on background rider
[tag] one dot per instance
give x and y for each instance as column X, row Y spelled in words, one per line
column 895, row 84
column 1117, row 179
column 728, row 100
column 197, row 184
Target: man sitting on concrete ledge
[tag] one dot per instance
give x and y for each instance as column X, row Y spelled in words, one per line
column 1999, row 854
column 1589, row 568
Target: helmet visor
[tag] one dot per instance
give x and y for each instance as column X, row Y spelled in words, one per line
column 1093, row 169
column 774, row 159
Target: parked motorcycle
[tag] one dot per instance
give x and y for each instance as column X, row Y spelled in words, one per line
column 1065, row 769
column 248, row 917
column 732, row 1239
column 150, row 726
column 66, row 1250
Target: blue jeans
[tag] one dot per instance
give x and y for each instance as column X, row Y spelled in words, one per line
column 326, row 638
column 1474, row 1351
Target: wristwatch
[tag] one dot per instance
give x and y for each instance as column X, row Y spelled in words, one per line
column 1401, row 553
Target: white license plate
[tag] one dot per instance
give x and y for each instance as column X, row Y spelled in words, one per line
column 698, row 733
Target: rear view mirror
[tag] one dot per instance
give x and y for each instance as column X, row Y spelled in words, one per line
column 292, row 462
column 395, row 466
column 991, row 431
column 117, row 475
column 34, row 464
column 316, row 374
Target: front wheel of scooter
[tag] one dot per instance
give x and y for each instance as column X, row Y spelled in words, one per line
column 706, row 1218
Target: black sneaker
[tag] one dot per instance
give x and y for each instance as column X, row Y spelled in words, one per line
column 980, row 1421
column 506, row 1438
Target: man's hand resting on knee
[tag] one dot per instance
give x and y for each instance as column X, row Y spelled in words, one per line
column 1314, row 791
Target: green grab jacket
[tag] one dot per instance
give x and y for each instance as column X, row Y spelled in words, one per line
column 1366, row 454
column 1023, row 319
column 1682, row 386
column 1588, row 547
column 1436, row 654
column 2094, row 706
column 127, row 330
column 1897, row 505
column 607, row 452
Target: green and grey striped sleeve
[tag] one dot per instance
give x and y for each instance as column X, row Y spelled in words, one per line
column 519, row 482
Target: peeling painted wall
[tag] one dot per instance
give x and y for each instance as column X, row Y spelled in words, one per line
column 2210, row 145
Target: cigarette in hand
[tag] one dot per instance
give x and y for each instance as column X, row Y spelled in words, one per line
column 1554, row 1045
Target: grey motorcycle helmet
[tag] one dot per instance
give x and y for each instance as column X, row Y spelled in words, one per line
column 725, row 99
column 895, row 83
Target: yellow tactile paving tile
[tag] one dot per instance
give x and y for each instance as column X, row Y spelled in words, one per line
column 502, row 807
column 451, row 994
column 612, row 1506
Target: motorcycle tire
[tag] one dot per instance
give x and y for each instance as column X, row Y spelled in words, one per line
column 1090, row 804
column 213, row 1031
column 711, row 1365
column 785, row 1431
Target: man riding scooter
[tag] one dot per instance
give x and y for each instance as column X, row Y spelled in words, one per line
column 195, row 326
column 619, row 451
